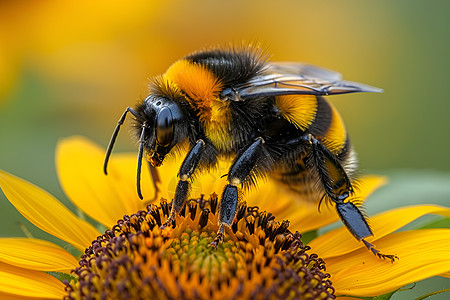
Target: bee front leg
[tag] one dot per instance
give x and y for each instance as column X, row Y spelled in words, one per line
column 239, row 171
column 183, row 187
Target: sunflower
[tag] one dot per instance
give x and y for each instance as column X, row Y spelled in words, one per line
column 262, row 255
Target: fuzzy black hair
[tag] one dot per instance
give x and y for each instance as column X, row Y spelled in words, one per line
column 233, row 64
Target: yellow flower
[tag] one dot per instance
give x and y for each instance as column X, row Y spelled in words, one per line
column 260, row 255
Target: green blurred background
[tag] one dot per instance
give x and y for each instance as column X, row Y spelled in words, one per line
column 71, row 67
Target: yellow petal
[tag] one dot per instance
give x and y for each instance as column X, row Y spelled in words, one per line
column 365, row 185
column 446, row 274
column 382, row 224
column 5, row 296
column 29, row 283
column 208, row 182
column 36, row 255
column 46, row 212
column 205, row 182
column 105, row 198
column 422, row 254
column 305, row 216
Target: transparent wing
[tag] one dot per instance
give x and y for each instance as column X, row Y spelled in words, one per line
column 296, row 68
column 297, row 78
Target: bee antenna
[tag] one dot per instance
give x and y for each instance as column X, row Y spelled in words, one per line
column 114, row 136
column 109, row 149
column 139, row 161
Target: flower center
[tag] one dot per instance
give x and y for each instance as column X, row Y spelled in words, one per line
column 259, row 258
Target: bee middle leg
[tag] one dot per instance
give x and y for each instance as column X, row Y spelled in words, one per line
column 183, row 187
column 239, row 171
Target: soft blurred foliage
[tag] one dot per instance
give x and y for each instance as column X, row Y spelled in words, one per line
column 72, row 67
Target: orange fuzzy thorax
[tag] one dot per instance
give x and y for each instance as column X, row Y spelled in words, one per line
column 200, row 85
column 202, row 89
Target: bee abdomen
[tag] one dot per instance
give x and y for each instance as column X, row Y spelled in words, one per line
column 328, row 127
column 301, row 183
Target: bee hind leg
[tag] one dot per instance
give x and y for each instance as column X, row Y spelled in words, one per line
column 338, row 188
column 356, row 223
column 240, row 170
column 183, row 187
column 377, row 253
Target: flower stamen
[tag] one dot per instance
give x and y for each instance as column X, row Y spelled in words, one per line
column 258, row 258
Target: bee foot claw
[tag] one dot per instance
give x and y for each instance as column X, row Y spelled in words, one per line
column 215, row 243
column 384, row 256
column 377, row 253
column 217, row 240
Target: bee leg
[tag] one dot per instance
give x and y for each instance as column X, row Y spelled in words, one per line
column 376, row 252
column 353, row 219
column 331, row 174
column 338, row 188
column 219, row 237
column 239, row 171
column 356, row 223
column 183, row 187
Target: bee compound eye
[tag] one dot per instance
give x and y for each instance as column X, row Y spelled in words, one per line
column 164, row 127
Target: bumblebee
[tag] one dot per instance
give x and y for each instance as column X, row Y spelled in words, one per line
column 270, row 117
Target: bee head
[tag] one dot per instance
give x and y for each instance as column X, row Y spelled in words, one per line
column 160, row 125
column 160, row 128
